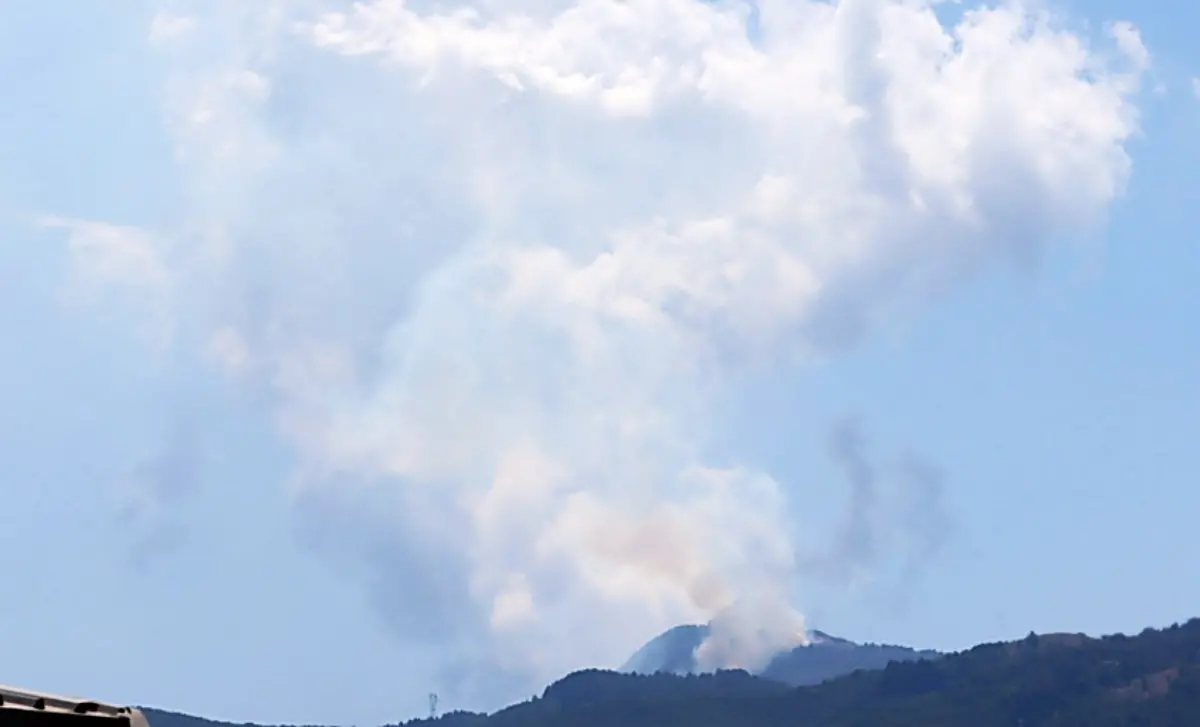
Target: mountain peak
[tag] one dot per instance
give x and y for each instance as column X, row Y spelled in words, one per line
column 823, row 656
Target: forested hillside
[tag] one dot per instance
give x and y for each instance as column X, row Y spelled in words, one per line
column 1059, row 680
column 1056, row 680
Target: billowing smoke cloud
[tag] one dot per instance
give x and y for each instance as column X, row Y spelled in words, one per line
column 750, row 632
column 492, row 266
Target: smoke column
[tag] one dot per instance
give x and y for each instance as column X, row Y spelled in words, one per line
column 491, row 267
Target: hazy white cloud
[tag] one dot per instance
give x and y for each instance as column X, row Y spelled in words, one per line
column 103, row 255
column 165, row 27
column 228, row 350
column 496, row 264
column 209, row 113
column 106, row 260
column 1129, row 42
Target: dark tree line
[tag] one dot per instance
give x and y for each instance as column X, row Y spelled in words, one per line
column 1057, row 680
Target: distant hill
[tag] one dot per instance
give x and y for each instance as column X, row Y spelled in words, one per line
column 673, row 651
column 1052, row 680
column 164, row 718
column 823, row 658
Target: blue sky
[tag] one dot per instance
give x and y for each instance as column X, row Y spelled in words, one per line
column 331, row 373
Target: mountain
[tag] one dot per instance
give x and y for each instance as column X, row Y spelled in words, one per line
column 163, row 718
column 827, row 657
column 673, row 651
column 824, row 657
column 1051, row 680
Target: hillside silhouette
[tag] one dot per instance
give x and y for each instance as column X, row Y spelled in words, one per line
column 824, row 657
column 1051, row 680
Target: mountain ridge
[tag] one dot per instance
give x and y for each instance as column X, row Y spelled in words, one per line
column 1053, row 680
column 824, row 656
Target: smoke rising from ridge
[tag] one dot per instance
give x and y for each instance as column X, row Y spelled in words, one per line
column 750, row 632
column 492, row 266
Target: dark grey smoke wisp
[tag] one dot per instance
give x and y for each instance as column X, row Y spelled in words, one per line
column 894, row 512
column 156, row 490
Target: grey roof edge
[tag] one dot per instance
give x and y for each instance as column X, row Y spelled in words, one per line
column 26, row 699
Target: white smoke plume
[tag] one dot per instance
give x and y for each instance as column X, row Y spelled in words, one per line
column 493, row 266
column 750, row 632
